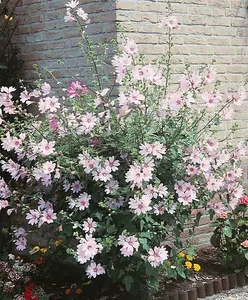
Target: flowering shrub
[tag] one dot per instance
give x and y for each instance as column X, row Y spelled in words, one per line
column 230, row 236
column 116, row 178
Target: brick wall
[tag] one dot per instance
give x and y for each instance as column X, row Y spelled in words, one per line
column 43, row 37
column 209, row 29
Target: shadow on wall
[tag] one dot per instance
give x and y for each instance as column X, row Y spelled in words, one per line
column 44, row 38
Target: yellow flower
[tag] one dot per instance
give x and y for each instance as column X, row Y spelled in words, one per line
column 18, row 257
column 189, row 257
column 36, row 249
column 7, row 17
column 196, row 267
column 43, row 250
column 58, row 242
column 188, row 265
column 181, row 254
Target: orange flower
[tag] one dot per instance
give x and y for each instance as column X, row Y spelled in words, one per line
column 68, row 291
column 78, row 291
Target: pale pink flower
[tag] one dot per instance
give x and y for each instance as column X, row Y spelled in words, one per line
column 94, row 270
column 140, row 205
column 103, row 173
column 156, row 149
column 209, row 74
column 136, row 97
column 12, row 168
column 72, row 203
column 210, row 99
column 212, row 145
column 158, row 210
column 3, row 204
column 129, row 244
column 52, row 104
column 88, row 122
column 33, row 216
column 135, row 175
column 218, row 207
column 46, row 148
column 46, row 88
column 138, row 73
column 82, row 14
column 171, row 22
column 76, row 89
column 48, row 216
column 48, row 167
column 157, row 256
column 112, row 163
column 186, row 192
column 87, row 249
column 175, row 101
column 214, row 184
column 191, row 170
column 89, row 225
column 131, row 47
column 82, row 202
column 72, row 3
column 196, row 156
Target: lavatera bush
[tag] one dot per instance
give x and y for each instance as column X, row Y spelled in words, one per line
column 116, row 178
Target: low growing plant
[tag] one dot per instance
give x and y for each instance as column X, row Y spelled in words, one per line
column 230, row 236
column 115, row 179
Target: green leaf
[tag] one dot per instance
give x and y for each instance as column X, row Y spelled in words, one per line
column 180, row 271
column 227, row 231
column 144, row 244
column 128, row 280
column 246, row 255
column 67, row 229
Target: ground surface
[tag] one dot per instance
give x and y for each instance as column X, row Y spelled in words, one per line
column 235, row 294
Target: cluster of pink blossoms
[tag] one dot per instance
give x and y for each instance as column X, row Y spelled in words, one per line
column 94, row 270
column 129, row 244
column 43, row 214
column 157, row 256
column 87, row 249
column 79, row 12
column 186, row 192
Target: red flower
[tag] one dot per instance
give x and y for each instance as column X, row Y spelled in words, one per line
column 28, row 292
column 38, row 261
column 244, row 200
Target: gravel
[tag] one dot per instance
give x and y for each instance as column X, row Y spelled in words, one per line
column 235, row 294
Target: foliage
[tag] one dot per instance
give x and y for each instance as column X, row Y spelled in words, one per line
column 114, row 179
column 230, row 236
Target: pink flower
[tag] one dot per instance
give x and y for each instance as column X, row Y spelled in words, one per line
column 82, row 14
column 210, row 99
column 171, row 22
column 112, row 164
column 244, row 200
column 244, row 244
column 3, row 204
column 87, row 249
column 89, row 225
column 136, row 97
column 157, row 256
column 186, row 192
column 129, row 244
column 20, row 232
column 46, row 89
column 82, row 202
column 76, row 89
column 209, row 75
column 48, row 216
column 94, row 269
column 72, row 3
column 140, row 205
column 131, row 47
column 33, row 216
column 48, row 167
column 46, row 148
column 103, row 173
column 88, row 122
column 156, row 149
column 213, row 183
